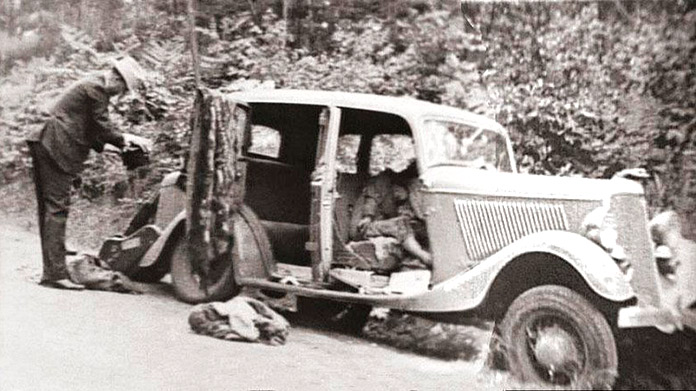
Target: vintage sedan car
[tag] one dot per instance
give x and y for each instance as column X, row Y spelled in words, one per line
column 560, row 263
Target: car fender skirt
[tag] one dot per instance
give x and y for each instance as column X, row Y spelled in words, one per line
column 468, row 289
column 154, row 252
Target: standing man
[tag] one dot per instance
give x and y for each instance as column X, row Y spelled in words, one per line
column 79, row 122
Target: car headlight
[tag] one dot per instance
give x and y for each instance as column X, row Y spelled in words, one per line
column 618, row 253
column 608, row 237
column 599, row 227
column 663, row 252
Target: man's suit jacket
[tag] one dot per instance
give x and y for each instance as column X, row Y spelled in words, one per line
column 79, row 122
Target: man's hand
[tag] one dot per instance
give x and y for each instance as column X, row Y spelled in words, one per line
column 112, row 149
column 140, row 142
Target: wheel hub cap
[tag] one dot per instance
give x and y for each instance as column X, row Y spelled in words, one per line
column 555, row 349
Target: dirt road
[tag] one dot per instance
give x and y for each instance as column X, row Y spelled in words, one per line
column 62, row 340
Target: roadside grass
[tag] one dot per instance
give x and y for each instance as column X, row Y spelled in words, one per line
column 652, row 360
column 89, row 223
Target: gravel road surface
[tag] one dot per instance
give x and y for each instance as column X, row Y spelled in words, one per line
column 63, row 340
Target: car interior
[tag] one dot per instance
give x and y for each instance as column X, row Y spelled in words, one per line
column 281, row 156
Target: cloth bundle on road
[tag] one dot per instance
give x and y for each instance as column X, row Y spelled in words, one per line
column 240, row 319
column 89, row 271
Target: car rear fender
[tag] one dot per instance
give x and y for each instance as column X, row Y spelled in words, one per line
column 155, row 251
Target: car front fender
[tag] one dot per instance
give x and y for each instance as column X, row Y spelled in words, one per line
column 467, row 290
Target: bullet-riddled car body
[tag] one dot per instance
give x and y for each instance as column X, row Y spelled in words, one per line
column 558, row 262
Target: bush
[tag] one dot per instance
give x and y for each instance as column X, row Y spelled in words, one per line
column 581, row 89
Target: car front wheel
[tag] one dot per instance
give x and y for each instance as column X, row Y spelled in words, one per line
column 552, row 335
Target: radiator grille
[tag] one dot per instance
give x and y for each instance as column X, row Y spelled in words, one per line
column 630, row 219
column 488, row 226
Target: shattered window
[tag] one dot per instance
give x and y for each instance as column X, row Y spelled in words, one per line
column 392, row 151
column 464, row 145
column 347, row 157
column 265, row 141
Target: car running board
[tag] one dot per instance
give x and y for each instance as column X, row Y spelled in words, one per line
column 298, row 280
column 365, row 282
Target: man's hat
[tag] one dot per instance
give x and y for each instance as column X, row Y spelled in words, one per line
column 130, row 71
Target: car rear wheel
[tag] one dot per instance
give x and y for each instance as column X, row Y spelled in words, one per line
column 552, row 335
column 250, row 248
column 217, row 285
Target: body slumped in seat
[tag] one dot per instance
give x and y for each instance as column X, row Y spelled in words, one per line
column 388, row 217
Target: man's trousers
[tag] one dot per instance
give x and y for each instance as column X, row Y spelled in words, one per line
column 53, row 203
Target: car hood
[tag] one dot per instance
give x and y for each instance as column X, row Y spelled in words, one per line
column 454, row 179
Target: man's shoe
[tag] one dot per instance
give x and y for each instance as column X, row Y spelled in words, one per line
column 62, row 284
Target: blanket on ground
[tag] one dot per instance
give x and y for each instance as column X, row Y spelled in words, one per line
column 89, row 271
column 242, row 319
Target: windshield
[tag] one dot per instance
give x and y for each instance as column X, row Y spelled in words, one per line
column 455, row 143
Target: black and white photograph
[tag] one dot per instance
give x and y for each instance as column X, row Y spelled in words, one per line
column 347, row 195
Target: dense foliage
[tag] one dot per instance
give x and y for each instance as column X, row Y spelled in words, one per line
column 584, row 88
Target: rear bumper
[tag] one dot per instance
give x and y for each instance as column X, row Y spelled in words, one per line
column 665, row 319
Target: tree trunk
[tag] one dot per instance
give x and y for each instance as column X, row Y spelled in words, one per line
column 309, row 38
column 289, row 7
column 193, row 41
column 254, row 13
column 12, row 9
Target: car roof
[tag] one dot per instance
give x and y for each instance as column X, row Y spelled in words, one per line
column 406, row 107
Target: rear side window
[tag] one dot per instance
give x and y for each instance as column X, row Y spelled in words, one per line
column 265, row 141
column 347, row 157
